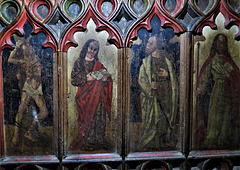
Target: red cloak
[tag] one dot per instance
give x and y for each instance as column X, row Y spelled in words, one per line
column 87, row 99
column 203, row 105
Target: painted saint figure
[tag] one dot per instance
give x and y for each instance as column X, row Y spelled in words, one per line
column 156, row 79
column 93, row 98
column 29, row 77
column 219, row 94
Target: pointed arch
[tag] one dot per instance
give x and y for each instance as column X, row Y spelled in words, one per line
column 230, row 19
column 81, row 25
column 17, row 28
column 166, row 21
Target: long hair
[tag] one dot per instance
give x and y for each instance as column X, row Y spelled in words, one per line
column 85, row 49
column 214, row 48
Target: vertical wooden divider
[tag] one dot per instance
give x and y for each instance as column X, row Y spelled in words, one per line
column 62, row 109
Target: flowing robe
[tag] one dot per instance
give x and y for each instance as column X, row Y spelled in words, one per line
column 93, row 101
column 218, row 107
column 158, row 105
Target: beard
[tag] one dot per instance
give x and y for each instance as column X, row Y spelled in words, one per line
column 221, row 51
column 148, row 51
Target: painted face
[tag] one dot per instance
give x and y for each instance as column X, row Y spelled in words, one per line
column 221, row 44
column 92, row 50
column 151, row 45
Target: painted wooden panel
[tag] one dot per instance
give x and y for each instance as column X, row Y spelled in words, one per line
column 217, row 104
column 92, row 94
column 161, row 91
column 155, row 70
column 28, row 95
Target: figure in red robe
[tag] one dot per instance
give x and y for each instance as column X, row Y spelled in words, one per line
column 93, row 98
column 218, row 99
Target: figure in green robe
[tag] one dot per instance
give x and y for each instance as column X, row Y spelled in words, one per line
column 218, row 95
column 158, row 97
